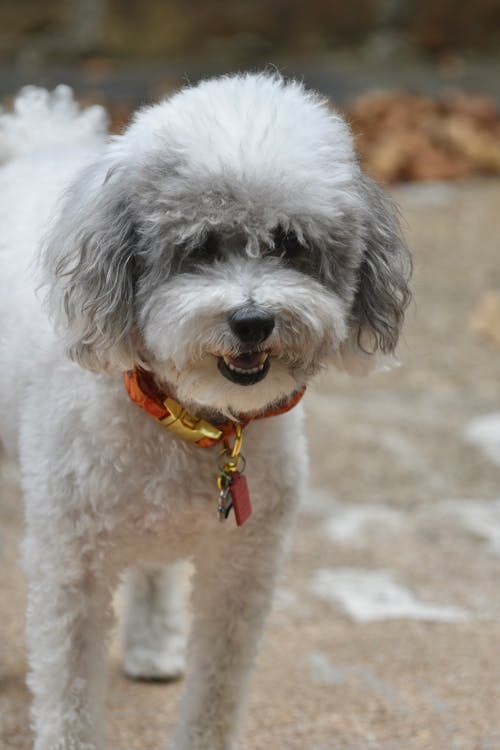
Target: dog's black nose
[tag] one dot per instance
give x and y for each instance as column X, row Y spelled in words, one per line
column 252, row 325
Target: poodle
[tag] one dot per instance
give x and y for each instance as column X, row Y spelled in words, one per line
column 166, row 296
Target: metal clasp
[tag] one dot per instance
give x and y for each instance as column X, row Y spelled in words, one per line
column 231, row 462
column 187, row 427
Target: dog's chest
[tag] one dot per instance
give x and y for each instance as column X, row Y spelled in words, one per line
column 162, row 496
column 147, row 495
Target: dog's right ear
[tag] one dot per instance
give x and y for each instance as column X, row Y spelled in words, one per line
column 88, row 261
column 382, row 291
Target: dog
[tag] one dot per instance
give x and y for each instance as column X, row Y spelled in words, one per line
column 166, row 296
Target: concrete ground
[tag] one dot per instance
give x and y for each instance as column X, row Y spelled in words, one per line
column 385, row 634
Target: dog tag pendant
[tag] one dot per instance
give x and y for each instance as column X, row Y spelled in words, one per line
column 225, row 501
column 240, row 498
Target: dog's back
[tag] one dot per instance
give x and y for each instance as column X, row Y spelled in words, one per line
column 43, row 142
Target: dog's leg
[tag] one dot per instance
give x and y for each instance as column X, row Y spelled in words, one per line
column 155, row 622
column 233, row 583
column 69, row 615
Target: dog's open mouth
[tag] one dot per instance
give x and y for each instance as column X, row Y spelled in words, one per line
column 245, row 369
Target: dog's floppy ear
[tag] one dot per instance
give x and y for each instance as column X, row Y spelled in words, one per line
column 88, row 262
column 382, row 292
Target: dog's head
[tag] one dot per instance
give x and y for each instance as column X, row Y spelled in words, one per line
column 229, row 242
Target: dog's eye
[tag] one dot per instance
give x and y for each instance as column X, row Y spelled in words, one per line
column 207, row 250
column 286, row 243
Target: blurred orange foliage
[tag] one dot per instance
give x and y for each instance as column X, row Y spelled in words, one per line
column 402, row 137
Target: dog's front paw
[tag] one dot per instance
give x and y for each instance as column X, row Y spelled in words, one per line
column 147, row 662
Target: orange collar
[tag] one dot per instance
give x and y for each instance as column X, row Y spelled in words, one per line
column 145, row 392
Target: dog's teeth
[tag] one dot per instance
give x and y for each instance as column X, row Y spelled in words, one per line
column 246, row 371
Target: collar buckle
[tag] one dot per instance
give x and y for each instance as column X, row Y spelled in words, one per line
column 185, row 426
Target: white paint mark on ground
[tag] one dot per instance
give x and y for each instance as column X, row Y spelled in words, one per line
column 328, row 673
column 325, row 671
column 288, row 602
column 484, row 433
column 435, row 702
column 370, row 595
column 352, row 523
column 403, row 449
column 482, row 517
column 318, row 502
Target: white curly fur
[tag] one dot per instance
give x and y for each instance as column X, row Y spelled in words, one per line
column 105, row 487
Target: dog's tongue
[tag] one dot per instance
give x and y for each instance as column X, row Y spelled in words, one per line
column 247, row 361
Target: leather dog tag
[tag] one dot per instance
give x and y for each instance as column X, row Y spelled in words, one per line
column 240, row 498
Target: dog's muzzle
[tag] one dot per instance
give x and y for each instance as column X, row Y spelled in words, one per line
column 252, row 326
column 245, row 369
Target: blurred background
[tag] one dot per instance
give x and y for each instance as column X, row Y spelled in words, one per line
column 385, row 634
column 123, row 53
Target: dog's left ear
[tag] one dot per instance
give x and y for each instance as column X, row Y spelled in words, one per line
column 88, row 260
column 382, row 292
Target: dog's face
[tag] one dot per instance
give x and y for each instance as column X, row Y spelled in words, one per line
column 229, row 241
